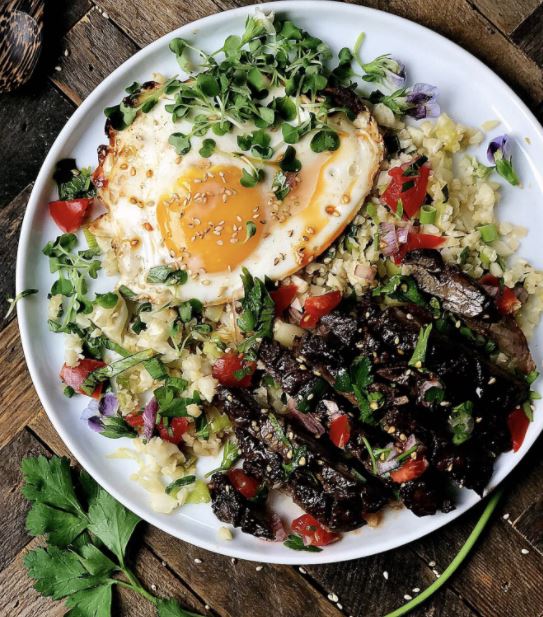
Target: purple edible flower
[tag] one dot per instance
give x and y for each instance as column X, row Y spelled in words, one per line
column 395, row 78
column 422, row 100
column 96, row 411
column 499, row 153
column 149, row 418
column 498, row 144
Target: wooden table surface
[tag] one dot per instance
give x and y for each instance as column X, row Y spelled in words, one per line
column 84, row 42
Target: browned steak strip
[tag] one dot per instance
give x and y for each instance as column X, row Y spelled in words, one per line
column 466, row 298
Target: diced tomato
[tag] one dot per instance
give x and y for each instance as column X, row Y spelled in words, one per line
column 226, row 368
column 412, row 198
column 418, row 241
column 505, row 297
column 340, row 431
column 175, row 430
column 283, row 297
column 518, row 423
column 135, row 420
column 244, row 484
column 74, row 376
column 318, row 306
column 309, row 321
column 410, row 470
column 70, row 213
column 312, row 532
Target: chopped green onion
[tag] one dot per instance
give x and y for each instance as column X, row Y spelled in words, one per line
column 174, row 487
column 489, row 233
column 427, row 215
column 115, row 368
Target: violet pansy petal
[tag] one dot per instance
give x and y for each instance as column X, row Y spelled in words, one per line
column 95, row 424
column 109, row 404
column 498, row 143
column 90, row 410
column 149, row 418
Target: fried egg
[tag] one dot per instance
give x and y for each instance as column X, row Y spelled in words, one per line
column 192, row 213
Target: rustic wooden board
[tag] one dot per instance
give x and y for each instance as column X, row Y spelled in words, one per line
column 529, row 35
column 507, row 15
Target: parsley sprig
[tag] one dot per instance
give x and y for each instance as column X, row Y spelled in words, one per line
column 87, row 533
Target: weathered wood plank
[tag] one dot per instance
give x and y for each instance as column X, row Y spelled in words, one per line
column 145, row 26
column 18, row 399
column 530, row 524
column 529, row 35
column 11, row 217
column 240, row 586
column 30, row 118
column 95, row 48
column 13, row 506
column 41, row 426
column 377, row 585
column 506, row 15
column 18, row 597
column 501, row 573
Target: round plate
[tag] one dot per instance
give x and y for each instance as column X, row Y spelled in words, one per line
column 469, row 92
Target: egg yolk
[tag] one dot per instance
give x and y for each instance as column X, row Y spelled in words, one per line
column 212, row 221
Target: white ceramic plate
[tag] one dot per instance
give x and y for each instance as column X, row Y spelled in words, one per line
column 469, row 92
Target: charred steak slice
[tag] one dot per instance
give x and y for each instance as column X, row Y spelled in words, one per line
column 231, row 507
column 322, row 488
column 466, row 298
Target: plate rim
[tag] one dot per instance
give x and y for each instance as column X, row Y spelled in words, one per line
column 211, row 544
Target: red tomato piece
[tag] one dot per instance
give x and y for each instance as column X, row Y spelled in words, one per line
column 134, row 420
column 244, row 484
column 70, row 213
column 412, row 198
column 312, row 532
column 318, row 306
column 340, row 431
column 225, row 368
column 410, row 470
column 308, row 321
column 175, row 430
column 418, row 241
column 74, row 376
column 283, row 297
column 505, row 297
column 518, row 423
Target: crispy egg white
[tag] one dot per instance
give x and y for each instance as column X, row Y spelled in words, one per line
column 191, row 212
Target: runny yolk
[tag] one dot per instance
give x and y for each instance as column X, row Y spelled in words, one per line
column 210, row 218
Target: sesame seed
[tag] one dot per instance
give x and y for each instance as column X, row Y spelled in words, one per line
column 220, row 242
column 524, row 551
column 124, row 166
column 302, row 570
column 206, row 282
column 332, row 597
column 416, row 590
column 148, row 226
column 340, row 606
column 432, row 564
column 233, row 560
column 197, row 560
column 407, row 597
column 385, row 575
column 58, row 68
column 259, row 568
column 133, row 171
column 505, row 516
column 345, row 199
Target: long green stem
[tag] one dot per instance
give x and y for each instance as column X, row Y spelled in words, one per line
column 135, row 585
column 455, row 563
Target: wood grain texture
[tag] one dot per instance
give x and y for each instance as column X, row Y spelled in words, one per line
column 95, row 48
column 18, row 399
column 506, row 15
column 13, row 506
column 277, row 588
column 11, row 217
column 529, row 35
column 31, row 119
column 144, row 25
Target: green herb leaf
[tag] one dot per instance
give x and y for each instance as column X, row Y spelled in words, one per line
column 230, row 455
column 461, row 422
column 296, row 543
column 208, row 147
column 180, row 142
column 280, row 186
column 171, row 608
column 174, row 487
column 179, row 47
column 324, row 140
column 108, row 300
column 251, row 178
column 73, row 183
column 419, row 353
column 289, row 162
column 250, row 230
column 505, row 169
column 115, row 368
column 167, row 275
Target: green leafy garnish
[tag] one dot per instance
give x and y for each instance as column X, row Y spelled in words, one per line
column 296, row 543
column 280, row 186
column 167, row 275
column 174, row 487
column 180, row 142
column 87, row 533
column 207, row 149
column 256, row 319
column 230, row 455
column 357, row 379
column 108, row 300
column 419, row 353
column 461, row 422
column 325, row 139
column 13, row 301
column 250, row 230
column 115, row 368
column 73, row 183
